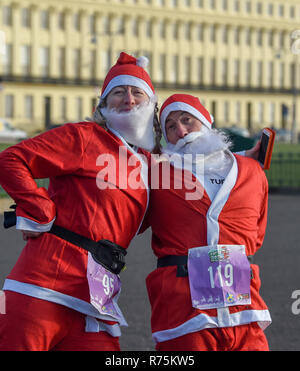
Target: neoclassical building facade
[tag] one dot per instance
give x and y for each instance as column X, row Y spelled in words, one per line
column 240, row 57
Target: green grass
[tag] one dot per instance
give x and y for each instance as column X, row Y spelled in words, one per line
column 4, row 146
column 286, row 148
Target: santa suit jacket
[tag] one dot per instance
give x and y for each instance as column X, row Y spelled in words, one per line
column 237, row 216
column 78, row 159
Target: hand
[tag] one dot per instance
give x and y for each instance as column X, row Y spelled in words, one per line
column 253, row 152
column 30, row 234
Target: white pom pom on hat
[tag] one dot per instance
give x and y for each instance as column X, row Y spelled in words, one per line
column 142, row 61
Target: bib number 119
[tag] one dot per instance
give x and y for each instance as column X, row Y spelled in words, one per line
column 222, row 275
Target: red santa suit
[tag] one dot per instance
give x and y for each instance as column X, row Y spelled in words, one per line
column 50, row 268
column 99, row 190
column 197, row 216
column 236, row 216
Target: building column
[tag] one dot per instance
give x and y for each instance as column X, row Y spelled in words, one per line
column 53, row 65
column 16, row 46
column 69, row 36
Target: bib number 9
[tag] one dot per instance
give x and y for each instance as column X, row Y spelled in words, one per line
column 224, row 278
column 108, row 285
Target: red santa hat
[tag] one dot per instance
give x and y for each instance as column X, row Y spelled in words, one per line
column 128, row 71
column 187, row 103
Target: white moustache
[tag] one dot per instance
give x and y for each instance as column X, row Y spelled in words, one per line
column 208, row 142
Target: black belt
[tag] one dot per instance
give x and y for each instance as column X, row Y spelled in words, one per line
column 104, row 252
column 181, row 262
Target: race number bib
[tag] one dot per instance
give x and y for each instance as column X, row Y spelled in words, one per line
column 219, row 276
column 104, row 288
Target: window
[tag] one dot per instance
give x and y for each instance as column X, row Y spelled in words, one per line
column 6, row 15
column 93, row 63
column 224, row 71
column 187, row 31
column 25, row 17
column 270, row 74
column 281, row 74
column 77, row 62
column 25, row 59
column 270, row 9
column 248, row 72
column 200, row 70
column 28, row 106
column 44, row 19
column 200, row 32
column 272, row 113
column 259, row 37
column 236, row 36
column 9, row 106
column 259, row 8
column 63, row 108
column 92, row 24
column 174, row 69
column 260, row 112
column 7, row 59
column 212, row 31
column 79, row 108
column 148, row 29
column 226, row 111
column 238, row 112
column 248, row 36
column 61, row 21
column 237, row 5
column 187, row 69
column 248, row 6
column 259, row 73
column 62, row 61
column 225, row 34
column 134, row 27
column 162, row 67
column 76, row 22
column 44, row 61
column 162, row 29
column 236, row 72
column 213, row 71
column 281, row 11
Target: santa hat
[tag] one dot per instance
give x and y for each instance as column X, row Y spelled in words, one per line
column 187, row 103
column 128, row 71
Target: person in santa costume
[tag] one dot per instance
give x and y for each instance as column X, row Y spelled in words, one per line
column 62, row 292
column 206, row 228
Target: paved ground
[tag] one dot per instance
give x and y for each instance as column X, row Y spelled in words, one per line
column 279, row 266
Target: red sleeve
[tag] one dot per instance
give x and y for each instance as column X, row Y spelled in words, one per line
column 262, row 221
column 53, row 153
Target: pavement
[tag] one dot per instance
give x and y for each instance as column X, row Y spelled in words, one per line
column 278, row 260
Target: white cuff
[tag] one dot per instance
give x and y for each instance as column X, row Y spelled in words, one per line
column 29, row 225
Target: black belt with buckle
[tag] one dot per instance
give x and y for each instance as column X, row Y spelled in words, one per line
column 181, row 262
column 107, row 253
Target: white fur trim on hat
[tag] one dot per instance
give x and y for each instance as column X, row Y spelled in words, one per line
column 127, row 80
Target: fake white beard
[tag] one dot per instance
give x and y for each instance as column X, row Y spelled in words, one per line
column 210, row 143
column 135, row 126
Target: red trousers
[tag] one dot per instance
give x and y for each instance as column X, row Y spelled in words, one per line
column 239, row 338
column 39, row 325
